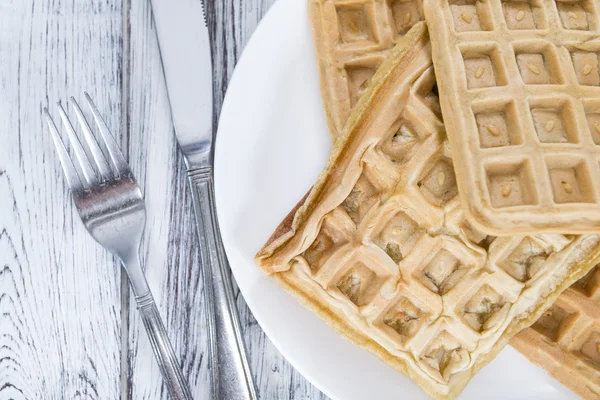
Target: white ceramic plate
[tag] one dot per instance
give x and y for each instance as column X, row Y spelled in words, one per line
column 271, row 144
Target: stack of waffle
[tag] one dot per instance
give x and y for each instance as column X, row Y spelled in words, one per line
column 454, row 212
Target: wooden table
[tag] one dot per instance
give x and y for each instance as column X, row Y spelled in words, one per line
column 68, row 328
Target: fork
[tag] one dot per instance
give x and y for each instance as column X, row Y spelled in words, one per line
column 111, row 206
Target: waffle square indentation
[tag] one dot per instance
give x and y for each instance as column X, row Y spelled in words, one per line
column 577, row 15
column 524, row 14
column 398, row 236
column 405, row 14
column 538, row 63
column 471, row 15
column 325, row 244
column 479, row 311
column 590, row 348
column 590, row 282
column 593, row 120
column 444, row 354
column 401, row 140
column 592, row 116
column 354, row 24
column 497, row 124
column 443, row 272
column 552, row 322
column 360, row 284
column 554, row 121
column 585, row 64
column 361, row 198
column 438, row 184
column 404, row 318
column 511, row 185
column 570, row 180
column 359, row 77
column 525, row 260
column 483, row 67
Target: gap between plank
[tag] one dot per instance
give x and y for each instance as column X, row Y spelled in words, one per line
column 125, row 373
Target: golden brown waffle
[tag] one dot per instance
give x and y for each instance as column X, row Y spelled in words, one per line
column 566, row 339
column 519, row 90
column 381, row 250
column 352, row 39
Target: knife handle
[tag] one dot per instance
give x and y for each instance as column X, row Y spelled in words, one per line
column 231, row 376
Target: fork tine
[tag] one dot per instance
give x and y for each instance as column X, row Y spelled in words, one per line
column 101, row 163
column 113, row 149
column 65, row 161
column 86, row 168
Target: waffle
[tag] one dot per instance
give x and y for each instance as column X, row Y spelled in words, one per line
column 381, row 250
column 352, row 38
column 566, row 339
column 519, row 90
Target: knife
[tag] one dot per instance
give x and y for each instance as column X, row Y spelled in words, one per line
column 186, row 57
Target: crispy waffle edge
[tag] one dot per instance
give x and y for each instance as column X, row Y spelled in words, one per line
column 404, row 52
column 325, row 312
column 317, row 29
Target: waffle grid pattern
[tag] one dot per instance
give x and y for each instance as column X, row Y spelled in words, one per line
column 352, row 38
column 399, row 258
column 520, row 87
column 568, row 334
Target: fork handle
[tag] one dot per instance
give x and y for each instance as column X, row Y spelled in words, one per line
column 231, row 376
column 169, row 367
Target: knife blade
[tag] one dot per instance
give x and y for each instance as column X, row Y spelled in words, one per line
column 186, row 57
column 184, row 44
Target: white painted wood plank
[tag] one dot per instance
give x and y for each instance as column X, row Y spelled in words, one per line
column 59, row 291
column 172, row 264
column 170, row 248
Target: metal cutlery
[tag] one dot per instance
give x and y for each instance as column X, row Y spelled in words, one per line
column 185, row 51
column 111, row 207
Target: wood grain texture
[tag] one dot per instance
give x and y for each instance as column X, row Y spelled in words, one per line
column 169, row 250
column 67, row 327
column 59, row 292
